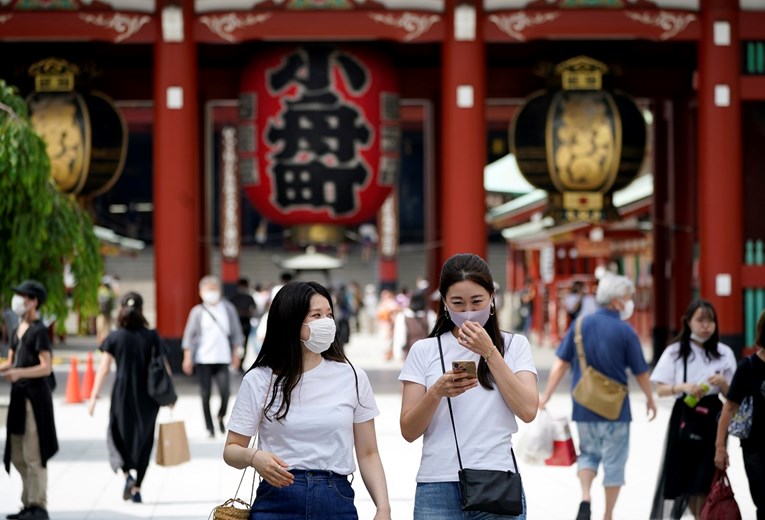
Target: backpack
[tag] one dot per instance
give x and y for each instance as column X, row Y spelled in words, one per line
column 416, row 329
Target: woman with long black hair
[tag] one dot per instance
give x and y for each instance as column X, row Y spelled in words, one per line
column 310, row 409
column 694, row 370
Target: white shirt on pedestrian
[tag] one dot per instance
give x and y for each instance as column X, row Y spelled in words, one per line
column 318, row 430
column 214, row 346
column 669, row 369
column 484, row 423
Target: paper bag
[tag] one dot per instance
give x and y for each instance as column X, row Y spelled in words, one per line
column 173, row 446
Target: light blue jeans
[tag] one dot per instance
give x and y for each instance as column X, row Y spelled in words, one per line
column 441, row 501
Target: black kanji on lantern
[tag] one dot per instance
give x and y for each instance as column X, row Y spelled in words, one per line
column 317, row 134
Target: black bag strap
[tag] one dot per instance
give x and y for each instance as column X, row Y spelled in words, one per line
column 451, row 415
column 227, row 334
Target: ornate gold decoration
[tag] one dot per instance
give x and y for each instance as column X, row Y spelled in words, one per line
column 318, row 234
column 224, row 25
column 585, row 146
column 671, row 23
column 415, row 25
column 54, row 75
column 57, row 119
column 514, row 24
column 124, row 26
column 581, row 73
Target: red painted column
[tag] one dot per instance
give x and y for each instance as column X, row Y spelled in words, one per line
column 176, row 174
column 662, row 259
column 720, row 167
column 684, row 229
column 463, row 146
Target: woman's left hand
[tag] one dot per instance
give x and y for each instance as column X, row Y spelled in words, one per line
column 474, row 337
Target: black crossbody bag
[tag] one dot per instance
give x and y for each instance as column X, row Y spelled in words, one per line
column 489, row 491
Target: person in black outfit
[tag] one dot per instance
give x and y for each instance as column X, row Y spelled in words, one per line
column 31, row 429
column 133, row 414
column 245, row 308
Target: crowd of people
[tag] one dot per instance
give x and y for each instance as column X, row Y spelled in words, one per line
column 304, row 416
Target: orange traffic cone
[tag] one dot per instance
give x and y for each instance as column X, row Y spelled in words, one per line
column 73, row 384
column 88, row 377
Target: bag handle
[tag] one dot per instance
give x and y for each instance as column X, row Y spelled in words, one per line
column 451, row 415
column 252, row 443
column 579, row 344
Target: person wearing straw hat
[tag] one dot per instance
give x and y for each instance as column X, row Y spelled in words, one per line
column 31, row 429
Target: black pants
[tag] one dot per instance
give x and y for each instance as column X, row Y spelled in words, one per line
column 220, row 373
column 754, row 464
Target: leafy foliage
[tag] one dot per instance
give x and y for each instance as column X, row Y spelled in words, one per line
column 41, row 229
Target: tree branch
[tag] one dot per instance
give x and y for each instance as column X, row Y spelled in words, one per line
column 9, row 110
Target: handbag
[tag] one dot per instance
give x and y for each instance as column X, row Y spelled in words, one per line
column 741, row 423
column 489, row 491
column 596, row 391
column 228, row 510
column 720, row 503
column 697, row 423
column 159, row 383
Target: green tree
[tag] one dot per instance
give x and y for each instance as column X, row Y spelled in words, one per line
column 41, row 229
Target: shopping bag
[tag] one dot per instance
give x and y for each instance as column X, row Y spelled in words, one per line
column 564, row 452
column 720, row 504
column 536, row 442
column 173, row 445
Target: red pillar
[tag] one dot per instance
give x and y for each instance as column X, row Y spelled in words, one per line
column 684, row 229
column 720, row 167
column 662, row 265
column 463, row 147
column 176, row 174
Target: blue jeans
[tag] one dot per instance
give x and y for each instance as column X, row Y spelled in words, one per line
column 441, row 501
column 315, row 495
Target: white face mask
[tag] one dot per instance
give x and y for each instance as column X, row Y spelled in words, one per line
column 480, row 316
column 629, row 308
column 211, row 297
column 322, row 334
column 18, row 305
column 700, row 339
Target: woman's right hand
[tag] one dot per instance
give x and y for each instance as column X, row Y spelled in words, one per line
column 272, row 469
column 452, row 384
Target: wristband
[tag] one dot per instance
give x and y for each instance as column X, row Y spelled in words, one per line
column 486, row 358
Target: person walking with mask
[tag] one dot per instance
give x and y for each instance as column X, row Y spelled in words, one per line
column 611, row 346
column 694, row 370
column 31, row 429
column 212, row 342
column 132, row 414
column 310, row 408
column 484, row 408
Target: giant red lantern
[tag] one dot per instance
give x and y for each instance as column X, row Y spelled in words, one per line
column 319, row 134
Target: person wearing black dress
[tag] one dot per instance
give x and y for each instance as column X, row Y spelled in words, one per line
column 133, row 414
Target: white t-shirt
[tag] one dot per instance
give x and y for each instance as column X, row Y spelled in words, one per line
column 669, row 369
column 483, row 420
column 214, row 347
column 318, row 430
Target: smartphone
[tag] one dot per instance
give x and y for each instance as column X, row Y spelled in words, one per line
column 466, row 366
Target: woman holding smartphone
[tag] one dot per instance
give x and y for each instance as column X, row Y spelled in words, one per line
column 484, row 407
